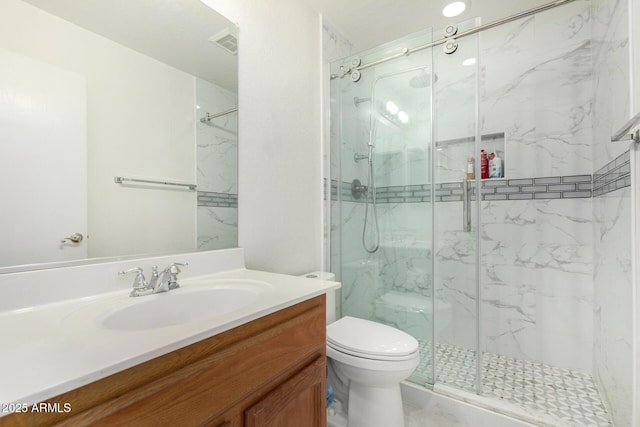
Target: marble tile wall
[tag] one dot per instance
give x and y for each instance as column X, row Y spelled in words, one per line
column 217, row 168
column 334, row 47
column 610, row 77
column 455, row 125
column 613, row 283
column 455, row 272
column 536, row 279
column 358, row 270
column 536, row 255
column 536, row 88
column 613, row 296
column 217, row 227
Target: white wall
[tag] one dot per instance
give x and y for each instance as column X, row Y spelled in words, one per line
column 279, row 98
column 130, row 130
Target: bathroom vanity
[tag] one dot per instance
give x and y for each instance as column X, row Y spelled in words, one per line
column 259, row 374
column 262, row 364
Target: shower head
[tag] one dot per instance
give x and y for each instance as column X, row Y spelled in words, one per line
column 421, row 80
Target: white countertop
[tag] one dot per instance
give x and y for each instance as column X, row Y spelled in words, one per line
column 53, row 348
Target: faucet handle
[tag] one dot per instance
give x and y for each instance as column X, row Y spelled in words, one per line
column 174, row 269
column 139, row 282
column 138, row 270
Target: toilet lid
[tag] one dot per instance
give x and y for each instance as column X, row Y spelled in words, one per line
column 370, row 339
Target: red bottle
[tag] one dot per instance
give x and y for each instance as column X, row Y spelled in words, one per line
column 484, row 165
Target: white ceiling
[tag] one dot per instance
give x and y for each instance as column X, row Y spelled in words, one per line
column 174, row 32
column 369, row 23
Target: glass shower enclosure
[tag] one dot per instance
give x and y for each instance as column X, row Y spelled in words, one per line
column 404, row 152
column 408, row 122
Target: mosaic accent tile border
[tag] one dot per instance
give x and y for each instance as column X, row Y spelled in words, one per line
column 414, row 193
column 569, row 396
column 614, row 175
column 553, row 187
column 212, row 199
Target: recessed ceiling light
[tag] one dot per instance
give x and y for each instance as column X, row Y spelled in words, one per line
column 392, row 107
column 453, row 8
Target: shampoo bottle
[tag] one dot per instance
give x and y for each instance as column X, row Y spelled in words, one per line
column 484, row 165
column 471, row 167
column 495, row 166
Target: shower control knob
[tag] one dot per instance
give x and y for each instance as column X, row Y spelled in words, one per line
column 357, row 189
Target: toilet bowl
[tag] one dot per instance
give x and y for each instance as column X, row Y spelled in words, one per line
column 367, row 361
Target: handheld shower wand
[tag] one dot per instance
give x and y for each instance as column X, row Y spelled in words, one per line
column 371, row 195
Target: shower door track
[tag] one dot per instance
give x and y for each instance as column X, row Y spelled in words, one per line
column 406, row 51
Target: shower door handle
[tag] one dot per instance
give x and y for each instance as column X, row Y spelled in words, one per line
column 466, row 206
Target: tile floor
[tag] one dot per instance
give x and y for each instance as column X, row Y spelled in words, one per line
column 570, row 397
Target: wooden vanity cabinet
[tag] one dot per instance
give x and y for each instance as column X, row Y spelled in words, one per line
column 268, row 372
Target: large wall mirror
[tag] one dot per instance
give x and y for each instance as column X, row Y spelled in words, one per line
column 118, row 130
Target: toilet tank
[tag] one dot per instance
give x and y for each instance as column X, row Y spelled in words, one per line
column 331, row 295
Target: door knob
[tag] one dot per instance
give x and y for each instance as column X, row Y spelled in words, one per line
column 74, row 238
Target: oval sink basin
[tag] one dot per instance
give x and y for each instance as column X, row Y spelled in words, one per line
column 183, row 305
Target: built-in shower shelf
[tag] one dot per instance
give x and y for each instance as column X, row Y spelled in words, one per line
column 452, row 155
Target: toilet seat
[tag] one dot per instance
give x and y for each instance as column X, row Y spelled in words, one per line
column 370, row 340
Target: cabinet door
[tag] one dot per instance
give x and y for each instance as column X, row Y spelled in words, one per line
column 225, row 421
column 298, row 402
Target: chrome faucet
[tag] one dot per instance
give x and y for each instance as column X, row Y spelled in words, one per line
column 160, row 282
column 156, row 283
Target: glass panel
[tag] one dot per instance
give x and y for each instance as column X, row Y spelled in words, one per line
column 456, row 243
column 381, row 136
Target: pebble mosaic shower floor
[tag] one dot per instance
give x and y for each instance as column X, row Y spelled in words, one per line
column 569, row 396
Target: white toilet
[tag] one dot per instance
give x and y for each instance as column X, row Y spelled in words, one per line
column 366, row 362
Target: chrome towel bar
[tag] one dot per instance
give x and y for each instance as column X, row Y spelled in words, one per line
column 122, row 180
column 630, row 131
column 213, row 116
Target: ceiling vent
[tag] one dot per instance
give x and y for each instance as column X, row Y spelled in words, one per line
column 226, row 40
